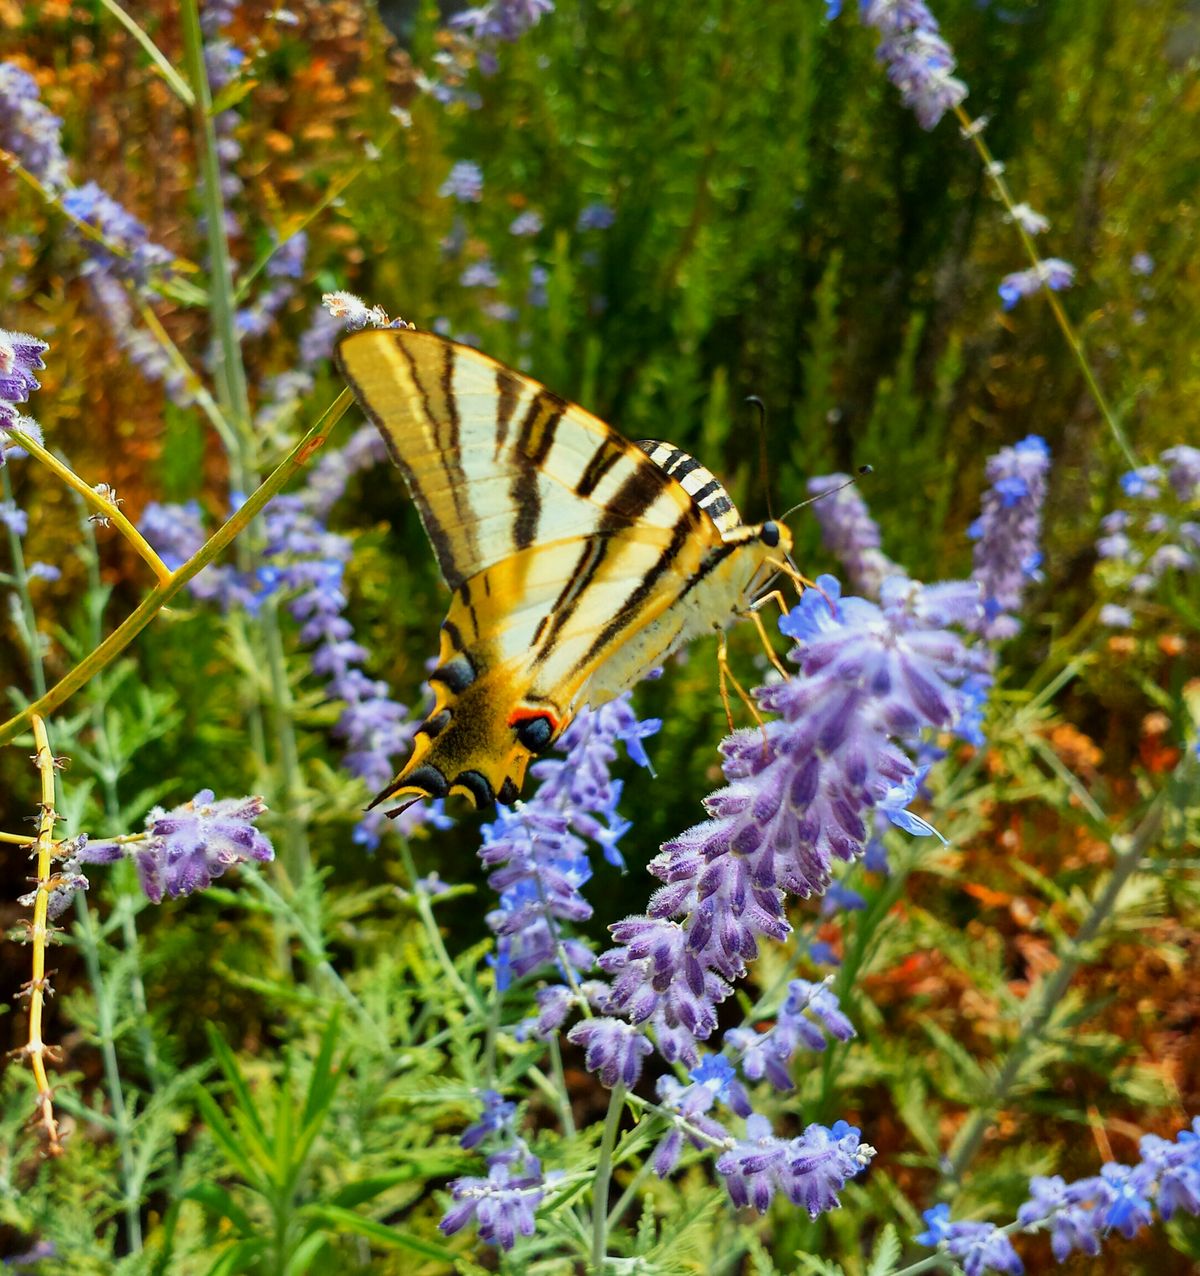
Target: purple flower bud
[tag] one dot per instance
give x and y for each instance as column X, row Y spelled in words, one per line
column 1052, row 273
column 615, row 1049
column 192, row 844
column 465, row 183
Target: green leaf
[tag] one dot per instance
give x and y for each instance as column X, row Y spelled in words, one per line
column 347, row 1221
column 887, row 1251
column 232, row 1146
column 240, row 1257
column 218, row 1202
column 426, row 1166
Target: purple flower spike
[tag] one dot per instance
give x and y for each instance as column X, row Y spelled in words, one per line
column 506, row 20
column 1052, row 273
column 1007, row 553
column 502, row 1205
column 851, row 534
column 29, row 130
column 464, row 184
column 20, row 358
column 797, row 799
column 191, row 845
column 596, row 216
column 919, row 61
column 979, row 1247
column 809, row 1170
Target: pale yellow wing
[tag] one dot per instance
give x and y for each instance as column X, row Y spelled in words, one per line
column 494, row 462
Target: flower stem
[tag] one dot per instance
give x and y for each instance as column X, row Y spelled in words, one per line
column 178, row 85
column 600, row 1184
column 1128, row 860
column 152, row 604
column 996, row 177
column 230, row 371
column 104, row 507
column 35, row 1046
column 21, row 577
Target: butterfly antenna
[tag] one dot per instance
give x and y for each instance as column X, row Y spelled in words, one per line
column 764, row 469
column 862, row 472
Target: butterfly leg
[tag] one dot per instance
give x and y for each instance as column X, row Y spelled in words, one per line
column 762, row 629
column 727, row 674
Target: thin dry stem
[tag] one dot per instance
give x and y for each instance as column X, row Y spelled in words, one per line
column 36, row 1048
column 104, row 507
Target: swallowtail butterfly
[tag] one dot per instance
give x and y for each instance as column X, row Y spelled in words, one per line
column 578, row 561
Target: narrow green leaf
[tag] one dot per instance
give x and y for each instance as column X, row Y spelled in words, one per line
column 347, row 1221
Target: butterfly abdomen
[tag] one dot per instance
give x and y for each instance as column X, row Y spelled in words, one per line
column 700, row 484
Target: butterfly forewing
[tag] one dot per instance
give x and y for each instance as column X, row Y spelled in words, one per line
column 489, row 455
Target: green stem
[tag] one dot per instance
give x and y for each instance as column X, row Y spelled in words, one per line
column 155, row 54
column 1127, row 862
column 127, row 890
column 122, row 1125
column 152, row 604
column 600, row 1185
column 996, row 176
column 21, row 583
column 300, row 858
column 434, row 933
column 230, row 372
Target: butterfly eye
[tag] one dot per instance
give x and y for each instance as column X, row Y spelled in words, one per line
column 770, row 534
column 535, row 733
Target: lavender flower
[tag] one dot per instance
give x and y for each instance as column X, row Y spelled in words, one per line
column 526, row 224
column 1007, row 556
column 306, row 560
column 1183, row 470
column 850, row 533
column 796, row 800
column 503, row 1205
column 20, row 358
column 506, row 20
column 1120, row 1197
column 810, row 1011
column 1156, row 537
column 285, row 267
column 189, row 846
column 479, row 274
column 142, row 350
column 1114, row 616
column 1030, row 221
column 28, row 130
column 537, row 294
column 595, row 216
column 1141, row 264
column 919, row 61
column 809, row 1170
column 128, row 252
column 712, row 1081
column 1052, row 273
column 1143, row 482
column 465, row 183
column 979, row 1247
column 537, row 849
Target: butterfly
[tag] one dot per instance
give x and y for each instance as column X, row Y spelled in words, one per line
column 578, row 561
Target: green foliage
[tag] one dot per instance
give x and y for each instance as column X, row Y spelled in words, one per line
column 274, row 1077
